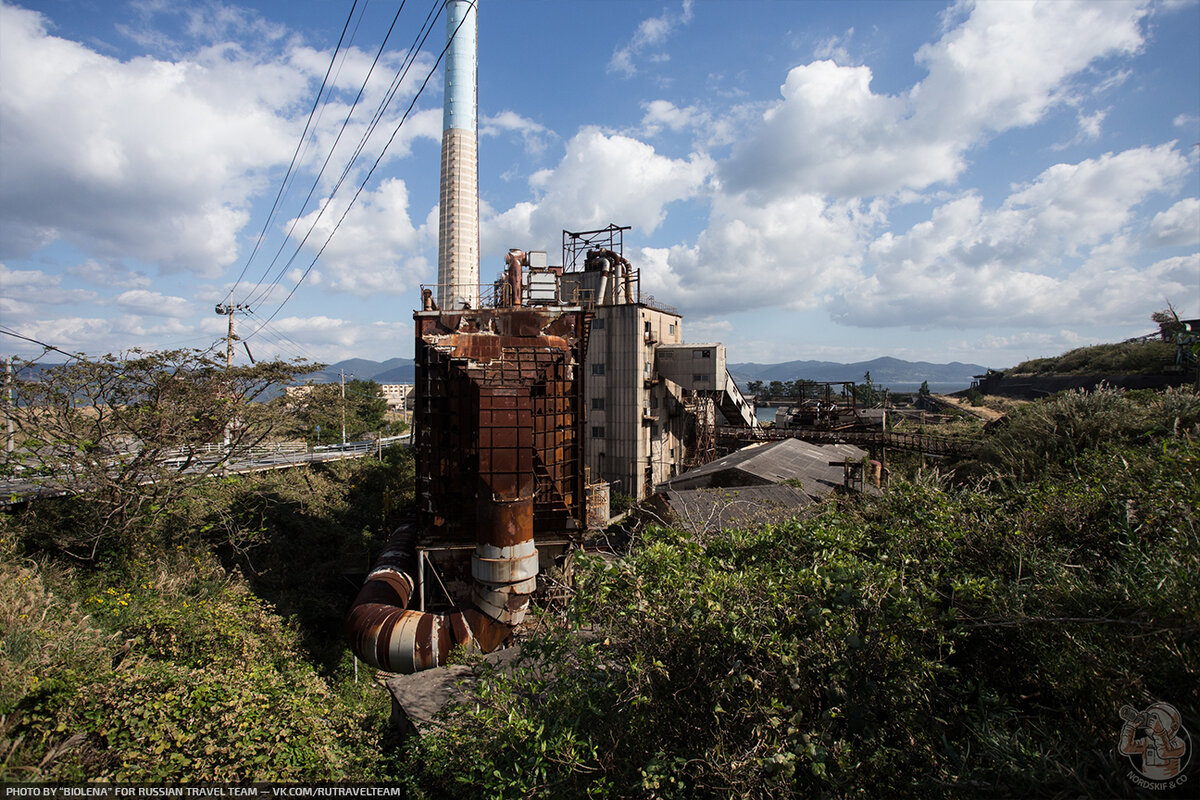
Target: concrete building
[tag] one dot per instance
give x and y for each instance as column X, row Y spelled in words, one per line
column 644, row 388
column 636, row 421
column 397, row 395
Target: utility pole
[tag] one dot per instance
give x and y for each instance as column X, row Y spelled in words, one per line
column 8, row 420
column 343, row 406
column 228, row 310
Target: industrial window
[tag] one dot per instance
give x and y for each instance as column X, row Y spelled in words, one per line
column 598, row 403
column 646, row 368
column 702, row 354
column 653, row 430
column 598, row 369
column 597, row 431
column 598, row 324
column 671, row 329
column 700, row 378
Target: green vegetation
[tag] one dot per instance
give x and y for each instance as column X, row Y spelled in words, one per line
column 971, row 633
column 1128, row 358
column 169, row 623
column 943, row 641
column 208, row 648
column 776, row 390
column 316, row 413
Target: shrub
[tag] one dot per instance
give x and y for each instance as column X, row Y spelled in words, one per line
column 936, row 642
column 1126, row 358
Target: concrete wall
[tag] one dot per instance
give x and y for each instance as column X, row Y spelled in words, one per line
column 1031, row 387
column 630, row 429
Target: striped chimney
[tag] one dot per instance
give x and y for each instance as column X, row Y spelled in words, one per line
column 458, row 229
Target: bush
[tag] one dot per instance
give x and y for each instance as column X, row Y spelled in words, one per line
column 937, row 642
column 1046, row 436
column 1127, row 358
column 159, row 663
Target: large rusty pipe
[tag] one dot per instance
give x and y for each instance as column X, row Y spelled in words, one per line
column 514, row 260
column 386, row 634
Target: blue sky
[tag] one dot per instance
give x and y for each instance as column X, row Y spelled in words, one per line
column 979, row 182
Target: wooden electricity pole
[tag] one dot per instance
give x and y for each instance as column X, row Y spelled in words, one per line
column 228, row 310
column 8, row 406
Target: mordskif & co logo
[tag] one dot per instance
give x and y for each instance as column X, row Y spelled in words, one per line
column 1157, row 744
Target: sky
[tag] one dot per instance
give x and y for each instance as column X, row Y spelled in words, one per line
column 979, row 182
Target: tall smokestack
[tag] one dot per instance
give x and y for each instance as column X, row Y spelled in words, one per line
column 458, row 231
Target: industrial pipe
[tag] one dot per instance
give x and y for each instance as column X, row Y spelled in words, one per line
column 386, row 634
column 515, row 259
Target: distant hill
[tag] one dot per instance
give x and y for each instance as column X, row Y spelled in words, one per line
column 1125, row 358
column 888, row 372
column 394, row 370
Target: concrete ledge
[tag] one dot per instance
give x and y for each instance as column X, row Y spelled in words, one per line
column 417, row 698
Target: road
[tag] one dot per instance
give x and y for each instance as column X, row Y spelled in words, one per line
column 258, row 459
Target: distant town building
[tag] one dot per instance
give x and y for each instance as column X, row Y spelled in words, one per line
column 399, row 396
column 295, row 393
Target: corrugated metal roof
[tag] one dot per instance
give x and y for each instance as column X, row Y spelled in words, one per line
column 789, row 459
column 714, row 509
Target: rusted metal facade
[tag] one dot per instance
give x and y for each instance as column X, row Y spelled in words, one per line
column 497, row 422
column 498, row 416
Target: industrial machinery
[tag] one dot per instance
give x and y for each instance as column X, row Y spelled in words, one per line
column 500, row 479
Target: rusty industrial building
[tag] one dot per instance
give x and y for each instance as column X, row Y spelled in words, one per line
column 536, row 398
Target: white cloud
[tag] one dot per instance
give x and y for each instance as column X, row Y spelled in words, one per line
column 1003, row 66
column 601, row 179
column 143, row 301
column 707, row 329
column 147, row 159
column 790, row 253
column 158, row 160
column 108, row 274
column 327, row 339
column 1178, row 226
column 35, row 286
column 835, row 48
column 970, row 267
column 376, row 250
column 1045, row 342
column 650, row 33
column 535, row 136
column 96, row 336
column 663, row 114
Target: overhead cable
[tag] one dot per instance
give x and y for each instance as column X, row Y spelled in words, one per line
column 371, row 172
column 295, row 155
column 259, row 295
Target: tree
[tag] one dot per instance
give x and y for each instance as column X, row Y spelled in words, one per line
column 754, row 387
column 1168, row 322
column 775, row 389
column 321, row 404
column 924, row 390
column 866, row 394
column 126, row 433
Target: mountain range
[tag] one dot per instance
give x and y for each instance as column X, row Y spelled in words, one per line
column 886, row 371
column 394, row 370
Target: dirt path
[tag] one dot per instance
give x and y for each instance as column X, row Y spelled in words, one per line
column 984, row 413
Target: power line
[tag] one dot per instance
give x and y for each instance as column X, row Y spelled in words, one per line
column 286, row 342
column 45, row 347
column 371, row 172
column 299, row 145
column 259, row 295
